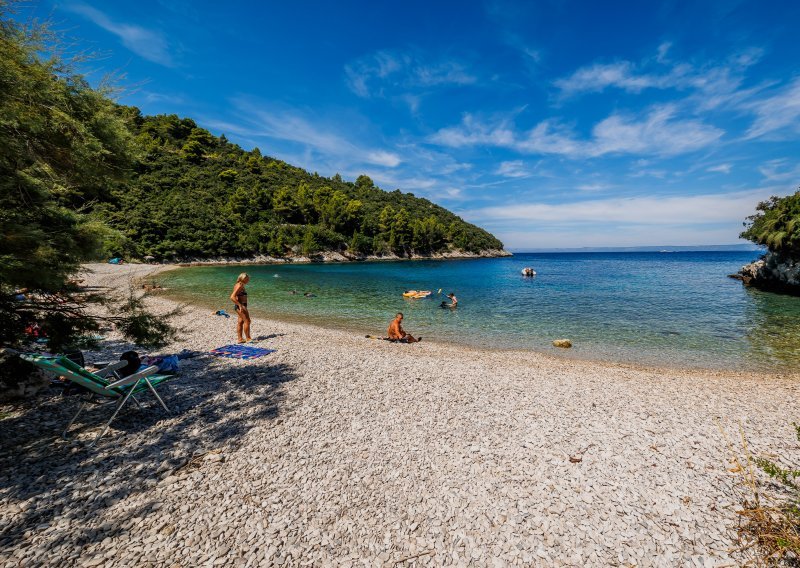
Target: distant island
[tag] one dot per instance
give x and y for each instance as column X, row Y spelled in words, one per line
column 662, row 248
column 195, row 196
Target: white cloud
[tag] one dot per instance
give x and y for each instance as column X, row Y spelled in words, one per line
column 391, row 180
column 292, row 126
column 592, row 187
column 532, row 55
column 722, row 169
column 384, row 73
column 730, row 208
column 658, row 132
column 512, row 169
column 778, row 112
column 383, row 158
column 153, row 97
column 661, row 57
column 149, row 44
column 780, row 171
column 379, row 65
column 715, row 82
column 333, row 146
column 472, row 132
column 549, row 137
column 598, row 77
column 443, row 73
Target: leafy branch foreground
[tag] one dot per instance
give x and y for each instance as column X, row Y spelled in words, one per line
column 69, row 320
column 769, row 520
column 64, row 148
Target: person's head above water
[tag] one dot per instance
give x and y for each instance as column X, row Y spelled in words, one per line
column 244, row 278
column 451, row 295
column 399, row 315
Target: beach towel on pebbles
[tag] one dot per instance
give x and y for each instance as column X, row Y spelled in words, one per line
column 241, row 351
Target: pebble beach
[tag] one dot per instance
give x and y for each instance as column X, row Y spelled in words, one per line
column 337, row 450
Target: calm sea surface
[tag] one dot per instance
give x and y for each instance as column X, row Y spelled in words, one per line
column 676, row 309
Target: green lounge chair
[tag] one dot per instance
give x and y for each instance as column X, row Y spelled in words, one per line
column 104, row 383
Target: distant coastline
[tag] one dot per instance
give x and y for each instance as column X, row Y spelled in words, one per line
column 745, row 247
column 335, row 257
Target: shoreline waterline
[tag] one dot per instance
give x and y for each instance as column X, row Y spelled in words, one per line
column 262, row 316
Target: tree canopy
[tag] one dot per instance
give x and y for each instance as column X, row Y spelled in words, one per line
column 197, row 195
column 776, row 225
column 64, row 148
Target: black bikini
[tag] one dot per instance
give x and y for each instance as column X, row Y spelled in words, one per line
column 243, row 301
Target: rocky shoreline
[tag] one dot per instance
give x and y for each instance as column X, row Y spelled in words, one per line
column 336, row 450
column 773, row 273
column 332, row 256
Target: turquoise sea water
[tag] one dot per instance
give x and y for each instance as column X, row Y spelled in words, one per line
column 676, row 309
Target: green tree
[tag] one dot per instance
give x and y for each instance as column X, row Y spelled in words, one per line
column 428, row 235
column 227, row 176
column 360, row 244
column 193, row 151
column 64, row 147
column 400, row 233
column 334, row 214
column 776, row 225
column 386, row 219
column 286, row 206
column 305, row 201
column 202, row 136
column 353, row 215
column 310, row 244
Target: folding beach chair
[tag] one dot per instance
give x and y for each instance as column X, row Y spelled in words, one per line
column 104, row 383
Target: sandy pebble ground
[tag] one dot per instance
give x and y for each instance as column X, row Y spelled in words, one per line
column 337, row 450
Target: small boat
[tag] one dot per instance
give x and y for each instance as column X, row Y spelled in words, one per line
column 416, row 294
column 528, row 271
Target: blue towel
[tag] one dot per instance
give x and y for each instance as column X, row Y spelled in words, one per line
column 239, row 351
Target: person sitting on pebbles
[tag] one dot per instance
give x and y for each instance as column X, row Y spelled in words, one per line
column 397, row 333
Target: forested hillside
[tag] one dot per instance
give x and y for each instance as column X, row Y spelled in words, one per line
column 194, row 195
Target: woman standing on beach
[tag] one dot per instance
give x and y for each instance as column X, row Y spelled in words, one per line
column 239, row 297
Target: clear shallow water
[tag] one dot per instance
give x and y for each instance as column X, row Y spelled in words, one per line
column 676, row 309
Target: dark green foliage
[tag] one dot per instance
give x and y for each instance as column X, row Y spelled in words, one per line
column 141, row 326
column 776, row 225
column 64, row 149
column 310, row 244
column 196, row 195
column 62, row 146
column 360, row 244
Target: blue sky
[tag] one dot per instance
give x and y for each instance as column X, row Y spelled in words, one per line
column 550, row 123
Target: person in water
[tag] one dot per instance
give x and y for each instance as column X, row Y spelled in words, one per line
column 453, row 301
column 397, row 333
column 239, row 297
